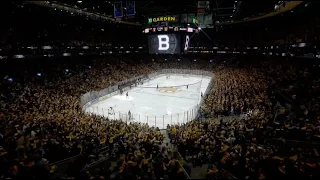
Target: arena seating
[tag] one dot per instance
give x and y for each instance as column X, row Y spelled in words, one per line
column 259, row 120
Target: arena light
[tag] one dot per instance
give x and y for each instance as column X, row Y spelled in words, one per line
column 46, row 47
column 39, row 74
column 67, row 70
column 302, row 44
column 10, row 79
column 18, row 56
column 89, row 67
column 66, row 54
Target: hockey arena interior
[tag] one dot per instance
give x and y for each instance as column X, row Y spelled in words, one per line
column 156, row 100
column 219, row 89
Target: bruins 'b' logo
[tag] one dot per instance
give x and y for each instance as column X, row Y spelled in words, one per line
column 168, row 89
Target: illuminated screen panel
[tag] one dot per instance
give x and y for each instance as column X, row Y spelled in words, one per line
column 164, row 44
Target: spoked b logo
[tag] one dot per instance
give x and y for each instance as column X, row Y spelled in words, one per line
column 186, row 45
column 163, row 42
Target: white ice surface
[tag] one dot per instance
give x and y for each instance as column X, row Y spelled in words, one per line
column 148, row 105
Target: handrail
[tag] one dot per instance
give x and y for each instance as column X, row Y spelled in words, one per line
column 229, row 174
column 179, row 157
column 64, row 160
column 184, row 171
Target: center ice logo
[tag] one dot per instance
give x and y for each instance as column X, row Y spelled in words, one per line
column 169, row 89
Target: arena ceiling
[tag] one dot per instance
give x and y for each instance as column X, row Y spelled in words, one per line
column 221, row 9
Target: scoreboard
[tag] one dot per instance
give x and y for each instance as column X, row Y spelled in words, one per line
column 166, row 35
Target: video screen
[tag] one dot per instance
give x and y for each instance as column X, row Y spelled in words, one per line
column 186, row 44
column 164, row 44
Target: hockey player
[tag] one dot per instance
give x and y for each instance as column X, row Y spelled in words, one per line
column 201, row 95
column 187, row 86
column 127, row 95
column 129, row 114
column 110, row 111
column 157, row 86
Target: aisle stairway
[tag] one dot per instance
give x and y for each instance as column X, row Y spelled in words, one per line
column 166, row 137
column 196, row 172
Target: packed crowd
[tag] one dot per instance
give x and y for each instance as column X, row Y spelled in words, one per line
column 238, row 91
column 43, row 123
column 258, row 144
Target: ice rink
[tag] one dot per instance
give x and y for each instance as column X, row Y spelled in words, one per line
column 171, row 103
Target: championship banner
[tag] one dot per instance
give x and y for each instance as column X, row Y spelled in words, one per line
column 200, row 11
column 207, row 21
column 202, row 4
column 131, row 8
column 190, row 18
column 118, row 10
column 184, row 18
column 200, row 18
column 201, row 7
